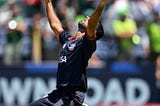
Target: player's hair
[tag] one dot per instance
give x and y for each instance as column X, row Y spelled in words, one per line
column 99, row 31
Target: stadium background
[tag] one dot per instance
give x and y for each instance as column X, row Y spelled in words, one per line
column 28, row 61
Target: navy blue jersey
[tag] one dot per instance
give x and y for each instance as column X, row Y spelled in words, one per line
column 73, row 61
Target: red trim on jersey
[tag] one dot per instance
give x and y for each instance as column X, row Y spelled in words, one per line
column 91, row 38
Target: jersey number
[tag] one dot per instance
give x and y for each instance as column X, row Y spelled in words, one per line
column 63, row 59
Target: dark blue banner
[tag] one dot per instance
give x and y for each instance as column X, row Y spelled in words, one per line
column 22, row 85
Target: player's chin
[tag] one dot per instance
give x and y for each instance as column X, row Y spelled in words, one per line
column 82, row 26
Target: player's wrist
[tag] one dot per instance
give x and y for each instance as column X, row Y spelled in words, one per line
column 104, row 2
column 47, row 1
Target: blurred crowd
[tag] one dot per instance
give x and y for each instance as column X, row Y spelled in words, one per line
column 132, row 30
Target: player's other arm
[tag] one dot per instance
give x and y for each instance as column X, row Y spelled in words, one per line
column 158, row 68
column 95, row 18
column 53, row 19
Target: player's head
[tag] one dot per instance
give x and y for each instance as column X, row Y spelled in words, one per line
column 82, row 25
column 15, row 8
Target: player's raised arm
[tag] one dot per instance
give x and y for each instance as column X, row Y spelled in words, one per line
column 52, row 18
column 95, row 18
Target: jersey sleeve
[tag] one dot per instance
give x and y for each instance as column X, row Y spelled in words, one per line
column 63, row 37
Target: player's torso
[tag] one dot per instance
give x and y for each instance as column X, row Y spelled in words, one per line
column 71, row 62
column 71, row 53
